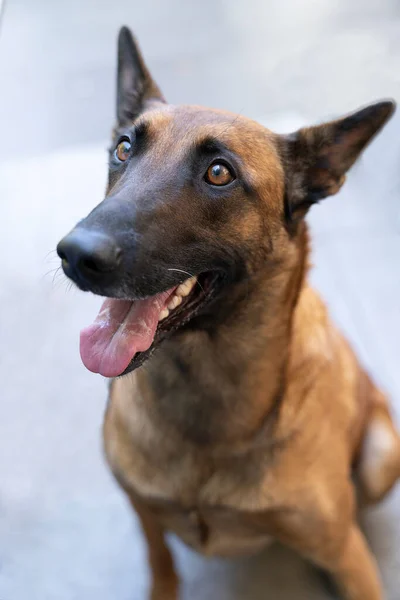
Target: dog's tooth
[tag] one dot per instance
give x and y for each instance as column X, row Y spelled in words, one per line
column 186, row 287
column 174, row 302
column 190, row 283
column 163, row 314
column 182, row 290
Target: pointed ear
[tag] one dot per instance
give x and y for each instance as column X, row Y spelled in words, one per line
column 136, row 89
column 317, row 158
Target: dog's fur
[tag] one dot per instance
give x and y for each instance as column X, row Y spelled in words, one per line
column 249, row 422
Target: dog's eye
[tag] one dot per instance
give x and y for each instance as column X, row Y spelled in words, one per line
column 122, row 150
column 218, row 174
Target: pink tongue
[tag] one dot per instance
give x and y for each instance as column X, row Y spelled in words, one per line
column 121, row 329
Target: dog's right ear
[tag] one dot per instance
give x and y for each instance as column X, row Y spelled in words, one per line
column 318, row 158
column 136, row 90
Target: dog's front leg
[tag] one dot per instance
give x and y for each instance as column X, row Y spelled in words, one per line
column 335, row 543
column 352, row 566
column 356, row 573
column 164, row 584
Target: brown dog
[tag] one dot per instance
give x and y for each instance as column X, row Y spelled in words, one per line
column 252, row 415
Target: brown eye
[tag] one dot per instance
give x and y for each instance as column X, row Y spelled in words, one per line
column 122, row 150
column 218, row 174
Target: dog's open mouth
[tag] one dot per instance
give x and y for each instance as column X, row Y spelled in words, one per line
column 125, row 332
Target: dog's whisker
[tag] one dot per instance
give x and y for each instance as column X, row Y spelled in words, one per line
column 59, row 277
column 69, row 286
column 55, row 274
column 52, row 271
column 182, row 271
column 53, row 251
column 60, row 285
column 50, row 256
column 60, row 280
column 187, row 273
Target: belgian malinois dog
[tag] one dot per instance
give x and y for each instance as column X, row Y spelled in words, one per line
column 238, row 414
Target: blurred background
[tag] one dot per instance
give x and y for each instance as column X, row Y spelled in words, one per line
column 65, row 529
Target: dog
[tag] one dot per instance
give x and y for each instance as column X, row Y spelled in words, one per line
column 237, row 412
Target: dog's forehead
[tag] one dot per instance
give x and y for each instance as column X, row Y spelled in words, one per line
column 179, row 128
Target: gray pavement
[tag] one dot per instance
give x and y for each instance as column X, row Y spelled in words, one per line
column 66, row 531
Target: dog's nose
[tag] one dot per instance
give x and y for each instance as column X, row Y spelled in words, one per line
column 88, row 255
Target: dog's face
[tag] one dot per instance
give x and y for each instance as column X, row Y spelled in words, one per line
column 189, row 193
column 197, row 201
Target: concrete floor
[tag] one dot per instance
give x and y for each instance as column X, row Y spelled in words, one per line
column 65, row 529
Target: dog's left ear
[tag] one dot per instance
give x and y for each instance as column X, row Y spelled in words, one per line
column 317, row 158
column 136, row 89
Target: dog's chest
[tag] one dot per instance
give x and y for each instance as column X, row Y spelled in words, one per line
column 209, row 503
column 214, row 515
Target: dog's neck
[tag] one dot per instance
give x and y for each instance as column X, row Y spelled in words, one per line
column 223, row 386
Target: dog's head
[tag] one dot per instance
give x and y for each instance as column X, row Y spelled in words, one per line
column 197, row 200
